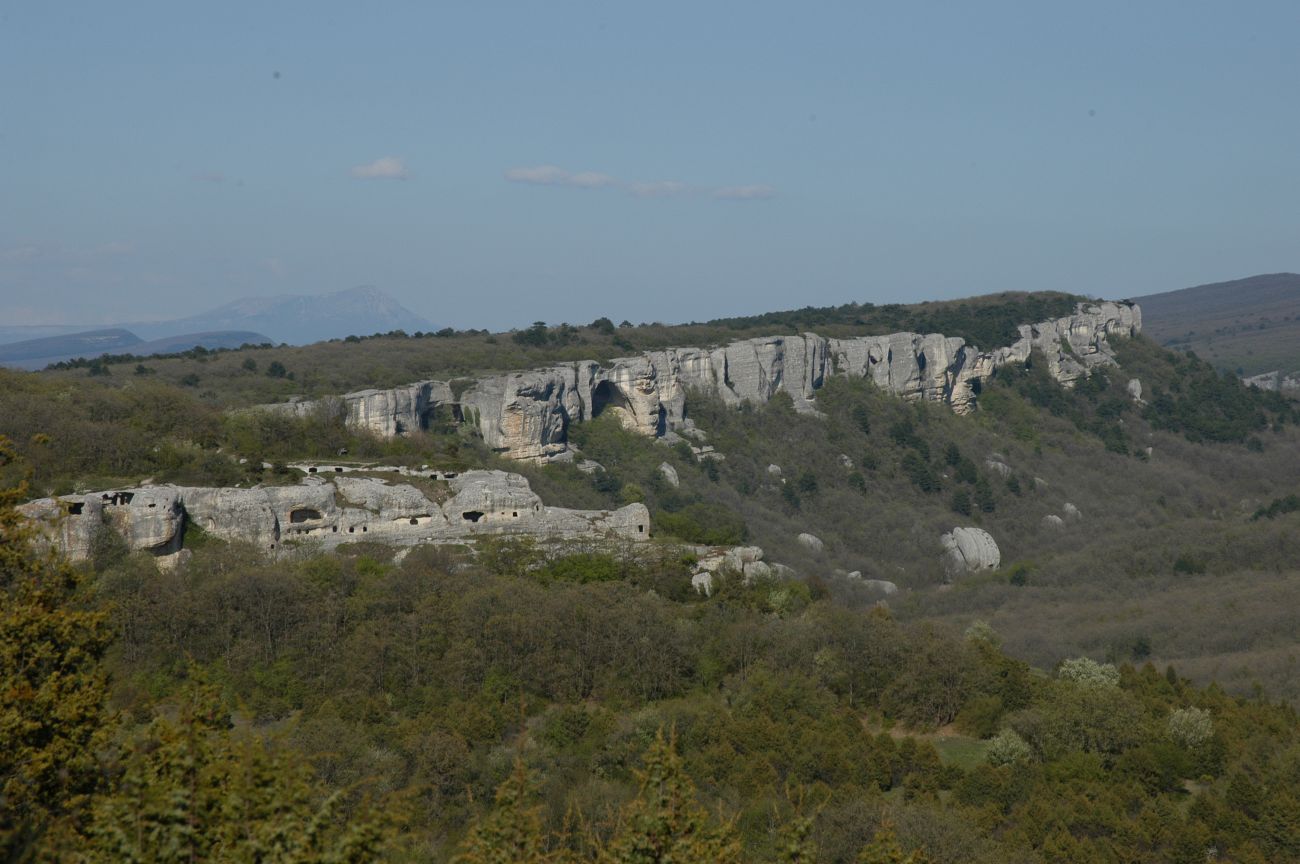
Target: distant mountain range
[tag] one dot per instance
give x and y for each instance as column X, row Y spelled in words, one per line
column 297, row 319
column 1249, row 326
column 39, row 353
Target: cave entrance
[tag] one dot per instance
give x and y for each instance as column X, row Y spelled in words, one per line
column 608, row 397
column 472, row 515
column 303, row 514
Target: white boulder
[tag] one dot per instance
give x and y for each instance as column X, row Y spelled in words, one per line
column 969, row 550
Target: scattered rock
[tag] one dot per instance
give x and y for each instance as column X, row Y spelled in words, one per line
column 1135, row 390
column 881, row 586
column 774, row 470
column 590, row 466
column 1001, row 469
column 1071, row 512
column 1051, row 520
column 969, row 550
column 670, row 474
column 811, row 542
column 845, row 462
column 1039, row 484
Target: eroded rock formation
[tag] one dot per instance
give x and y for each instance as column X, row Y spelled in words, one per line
column 525, row 415
column 325, row 513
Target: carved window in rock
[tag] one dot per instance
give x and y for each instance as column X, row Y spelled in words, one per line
column 472, row 515
column 303, row 514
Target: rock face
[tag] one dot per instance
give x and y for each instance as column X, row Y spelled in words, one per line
column 147, row 519
column 525, row 415
column 968, row 550
column 326, row 513
column 669, row 474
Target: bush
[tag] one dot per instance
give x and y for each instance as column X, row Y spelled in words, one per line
column 1191, row 727
column 1088, row 672
column 708, row 524
column 1008, row 748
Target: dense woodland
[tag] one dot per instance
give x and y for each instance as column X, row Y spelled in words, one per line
column 1122, row 690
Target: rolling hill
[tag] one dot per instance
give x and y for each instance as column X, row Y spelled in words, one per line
column 1248, row 326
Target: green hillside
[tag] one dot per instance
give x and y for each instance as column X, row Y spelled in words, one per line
column 577, row 702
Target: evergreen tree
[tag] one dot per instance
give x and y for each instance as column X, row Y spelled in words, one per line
column 511, row 833
column 192, row 791
column 884, row 848
column 52, row 689
column 664, row 824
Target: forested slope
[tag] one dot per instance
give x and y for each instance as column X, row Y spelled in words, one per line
column 567, row 702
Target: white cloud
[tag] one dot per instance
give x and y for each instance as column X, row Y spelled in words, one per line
column 553, row 175
column 383, row 168
column 658, row 189
column 755, row 192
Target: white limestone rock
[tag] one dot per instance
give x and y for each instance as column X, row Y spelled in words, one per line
column 525, row 415
column 489, row 497
column 702, row 582
column 968, row 550
column 1001, row 469
column 670, row 474
column 1051, row 520
column 1071, row 513
column 389, row 502
column 774, row 471
column 1135, row 390
column 811, row 542
column 881, row 586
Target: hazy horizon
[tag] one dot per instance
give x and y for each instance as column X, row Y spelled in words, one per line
column 488, row 167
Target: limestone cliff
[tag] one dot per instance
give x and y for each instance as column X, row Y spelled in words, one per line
column 525, row 415
column 325, row 513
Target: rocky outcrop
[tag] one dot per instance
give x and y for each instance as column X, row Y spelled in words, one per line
column 1274, row 380
column 669, row 474
column 744, row 561
column 968, row 550
column 147, row 519
column 526, row 415
column 325, row 513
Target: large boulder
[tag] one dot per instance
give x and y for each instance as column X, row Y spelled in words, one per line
column 811, row 542
column 968, row 550
column 669, row 474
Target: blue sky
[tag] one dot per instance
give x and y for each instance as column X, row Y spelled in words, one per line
column 492, row 164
